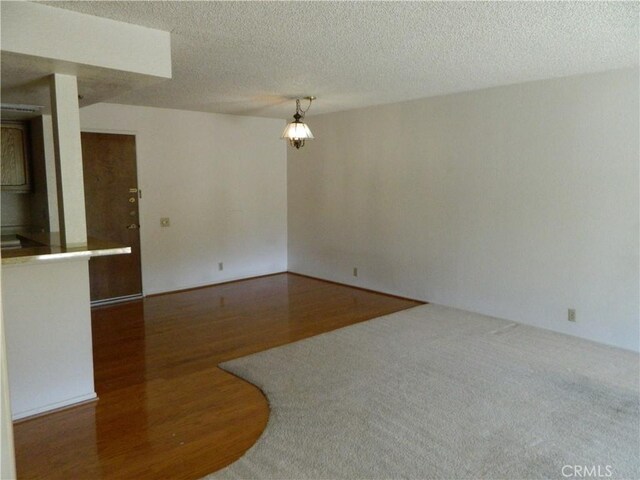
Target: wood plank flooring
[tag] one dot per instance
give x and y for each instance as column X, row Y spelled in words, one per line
column 165, row 410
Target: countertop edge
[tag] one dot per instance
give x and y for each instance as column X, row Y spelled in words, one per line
column 63, row 256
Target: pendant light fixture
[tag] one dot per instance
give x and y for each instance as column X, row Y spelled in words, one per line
column 298, row 131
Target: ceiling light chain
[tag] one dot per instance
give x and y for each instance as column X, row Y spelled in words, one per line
column 300, row 110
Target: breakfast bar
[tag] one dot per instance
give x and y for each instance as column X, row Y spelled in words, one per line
column 47, row 317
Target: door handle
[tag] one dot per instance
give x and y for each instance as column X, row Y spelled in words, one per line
column 133, row 226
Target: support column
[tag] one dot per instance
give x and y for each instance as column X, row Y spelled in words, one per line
column 68, row 152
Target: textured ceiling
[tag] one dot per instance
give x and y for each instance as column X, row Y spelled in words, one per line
column 251, row 57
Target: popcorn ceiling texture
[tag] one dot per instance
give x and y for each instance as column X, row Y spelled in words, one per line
column 251, row 57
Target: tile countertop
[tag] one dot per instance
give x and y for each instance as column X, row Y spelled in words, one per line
column 49, row 250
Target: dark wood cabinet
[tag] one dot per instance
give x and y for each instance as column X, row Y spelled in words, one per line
column 14, row 158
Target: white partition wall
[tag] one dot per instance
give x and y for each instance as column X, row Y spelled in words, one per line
column 48, row 329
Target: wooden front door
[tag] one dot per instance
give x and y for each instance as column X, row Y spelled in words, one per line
column 111, row 199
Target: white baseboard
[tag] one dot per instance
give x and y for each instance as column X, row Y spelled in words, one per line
column 53, row 406
column 149, row 292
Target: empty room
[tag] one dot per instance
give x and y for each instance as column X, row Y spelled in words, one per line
column 320, row 240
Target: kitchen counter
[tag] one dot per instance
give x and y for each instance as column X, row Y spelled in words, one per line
column 46, row 247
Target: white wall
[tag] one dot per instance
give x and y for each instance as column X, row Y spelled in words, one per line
column 518, row 202
column 221, row 179
column 47, row 321
column 7, row 456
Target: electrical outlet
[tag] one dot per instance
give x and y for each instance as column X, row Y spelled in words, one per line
column 355, row 271
column 164, row 222
column 571, row 315
column 220, row 266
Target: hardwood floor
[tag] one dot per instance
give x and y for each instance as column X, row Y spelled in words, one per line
column 165, row 410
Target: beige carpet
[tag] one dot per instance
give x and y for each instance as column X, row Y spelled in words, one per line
column 434, row 392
